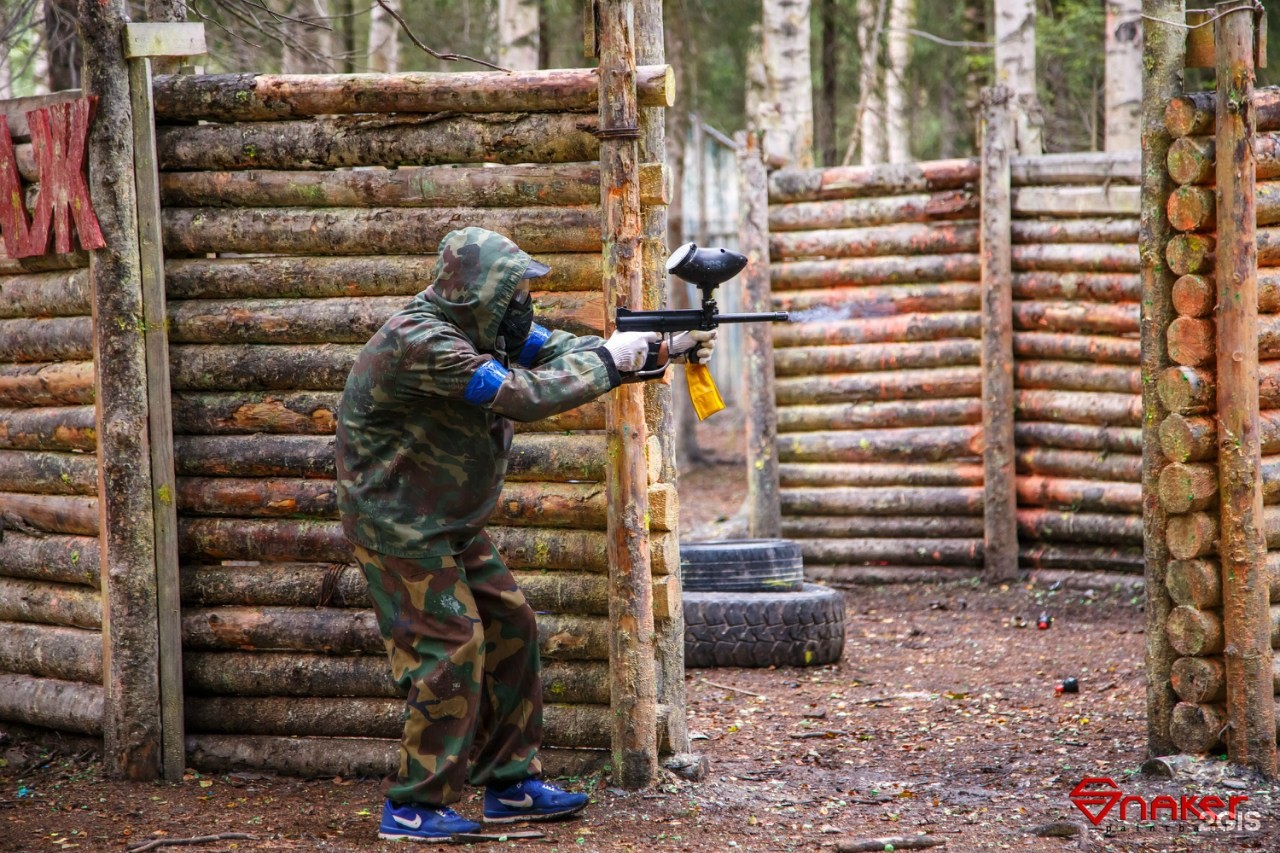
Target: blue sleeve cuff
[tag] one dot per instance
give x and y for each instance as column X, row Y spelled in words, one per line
column 529, row 352
column 485, row 383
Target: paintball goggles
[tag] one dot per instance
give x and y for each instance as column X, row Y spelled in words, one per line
column 707, row 269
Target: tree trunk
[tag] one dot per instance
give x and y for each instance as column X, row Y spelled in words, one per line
column 518, row 34
column 824, row 130
column 384, row 39
column 1123, row 75
column 62, row 44
column 869, row 117
column 788, row 118
column 306, row 35
column 1015, row 58
column 897, row 98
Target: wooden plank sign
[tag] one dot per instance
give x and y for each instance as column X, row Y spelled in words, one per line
column 58, row 134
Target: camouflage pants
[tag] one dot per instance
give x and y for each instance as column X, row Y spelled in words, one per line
column 464, row 643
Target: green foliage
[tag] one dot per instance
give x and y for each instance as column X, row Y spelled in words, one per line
column 1070, row 60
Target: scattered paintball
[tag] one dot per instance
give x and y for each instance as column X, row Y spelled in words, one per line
column 1068, row 685
column 1044, row 621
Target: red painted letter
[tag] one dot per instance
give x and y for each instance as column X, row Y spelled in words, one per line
column 58, row 135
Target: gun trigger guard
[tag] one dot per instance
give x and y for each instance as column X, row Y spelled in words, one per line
column 651, row 369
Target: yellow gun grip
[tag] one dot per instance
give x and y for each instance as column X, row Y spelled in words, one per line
column 702, row 391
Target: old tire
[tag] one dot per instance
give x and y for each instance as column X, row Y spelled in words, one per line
column 741, row 565
column 804, row 628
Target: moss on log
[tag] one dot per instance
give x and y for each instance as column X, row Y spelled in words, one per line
column 49, row 428
column 48, row 472
column 54, row 559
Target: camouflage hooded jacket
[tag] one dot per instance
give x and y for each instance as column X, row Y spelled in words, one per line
column 423, row 429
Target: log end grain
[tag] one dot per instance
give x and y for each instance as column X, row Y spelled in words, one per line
column 1188, row 439
column 1191, row 341
column 1192, row 535
column 1194, row 632
column 1194, row 295
column 1186, row 390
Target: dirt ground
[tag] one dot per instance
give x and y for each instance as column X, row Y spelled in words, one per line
column 941, row 721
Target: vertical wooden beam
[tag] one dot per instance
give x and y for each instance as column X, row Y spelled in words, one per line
column 1000, row 530
column 631, row 643
column 764, row 505
column 659, row 408
column 1163, row 55
column 131, row 679
column 1251, row 739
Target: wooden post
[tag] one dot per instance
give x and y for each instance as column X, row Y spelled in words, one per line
column 1251, row 739
column 131, row 726
column 1163, row 50
column 669, row 630
column 631, row 643
column 764, row 507
column 143, row 41
column 1000, row 528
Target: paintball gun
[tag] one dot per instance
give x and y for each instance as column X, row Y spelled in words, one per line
column 707, row 269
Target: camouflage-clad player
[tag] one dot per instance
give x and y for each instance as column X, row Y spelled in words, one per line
column 424, row 430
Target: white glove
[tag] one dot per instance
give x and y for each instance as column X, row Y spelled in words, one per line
column 685, row 341
column 630, row 349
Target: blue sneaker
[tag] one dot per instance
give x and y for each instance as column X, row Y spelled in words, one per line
column 531, row 799
column 409, row 822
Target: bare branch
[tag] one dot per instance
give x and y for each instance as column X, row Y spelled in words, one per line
column 448, row 57
column 273, row 13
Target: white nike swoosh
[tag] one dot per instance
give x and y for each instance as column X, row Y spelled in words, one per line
column 518, row 804
column 404, row 821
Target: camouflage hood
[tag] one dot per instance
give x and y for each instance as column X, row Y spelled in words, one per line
column 475, row 277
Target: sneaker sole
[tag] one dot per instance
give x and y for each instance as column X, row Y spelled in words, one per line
column 532, row 817
column 429, row 839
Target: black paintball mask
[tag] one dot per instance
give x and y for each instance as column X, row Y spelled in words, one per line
column 518, row 321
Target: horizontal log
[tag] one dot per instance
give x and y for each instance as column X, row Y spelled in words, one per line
column 295, row 413
column 1193, row 208
column 41, row 263
column 796, row 185
column 58, row 384
column 901, row 413
column 854, row 577
column 272, row 97
column 1193, row 390
column 391, row 140
column 303, row 674
column 369, row 231
column 897, row 329
column 49, row 513
column 841, row 272
column 1106, row 230
column 1094, row 349
column 575, row 505
column 1089, row 167
column 1190, row 253
column 886, row 500
column 934, row 444
column 358, row 275
column 261, row 367
column 274, row 585
column 1075, row 317
column 907, row 552
column 257, row 497
column 53, row 428
column 62, row 293
column 1190, row 341
column 829, row 305
column 280, row 321
column 1082, row 464
column 558, row 458
column 1193, row 113
column 1071, row 436
column 254, row 456
column 1083, row 558
column 1098, row 287
column 70, row 605
column 1198, row 583
column 554, row 185
column 879, row 474
column 48, row 472
column 1188, row 487
column 52, row 559
column 1076, row 257
column 50, row 651
column 889, row 385
column 29, row 340
column 66, row 706
column 574, row 550
column 1197, row 729
column 1103, row 528
column 940, row 206
column 1077, row 376
column 938, row 238
column 807, row 361
column 1066, row 407
column 1079, row 495
column 915, row 527
column 1075, row 201
column 1191, row 158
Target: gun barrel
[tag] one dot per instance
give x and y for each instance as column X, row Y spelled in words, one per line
column 767, row 317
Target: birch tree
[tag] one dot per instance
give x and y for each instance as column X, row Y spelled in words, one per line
column 384, row 39
column 870, row 115
column 897, row 134
column 307, row 47
column 1016, row 68
column 518, row 34
column 1123, row 86
column 788, row 119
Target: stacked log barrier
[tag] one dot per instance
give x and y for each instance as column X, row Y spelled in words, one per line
column 51, row 654
column 295, row 223
column 878, row 379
